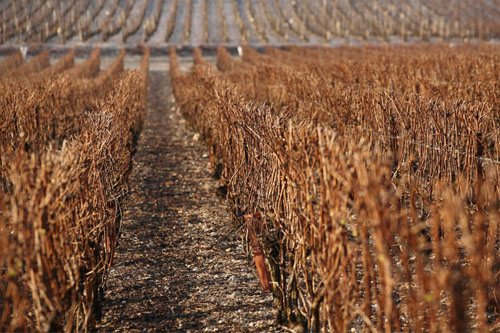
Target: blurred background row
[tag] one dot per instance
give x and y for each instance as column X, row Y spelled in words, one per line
column 253, row 22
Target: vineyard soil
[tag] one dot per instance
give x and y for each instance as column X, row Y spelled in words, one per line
column 179, row 265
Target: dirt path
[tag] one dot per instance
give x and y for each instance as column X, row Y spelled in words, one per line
column 178, row 267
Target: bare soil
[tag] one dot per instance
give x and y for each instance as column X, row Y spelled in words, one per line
column 180, row 263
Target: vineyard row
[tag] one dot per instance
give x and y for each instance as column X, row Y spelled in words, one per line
column 366, row 177
column 66, row 137
column 245, row 22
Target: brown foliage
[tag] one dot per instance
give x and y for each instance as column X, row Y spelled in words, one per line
column 34, row 65
column 11, row 62
column 59, row 219
column 380, row 204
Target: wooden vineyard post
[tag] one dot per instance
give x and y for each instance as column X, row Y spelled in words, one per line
column 254, row 226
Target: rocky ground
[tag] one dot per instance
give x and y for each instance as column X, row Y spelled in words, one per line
column 180, row 263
